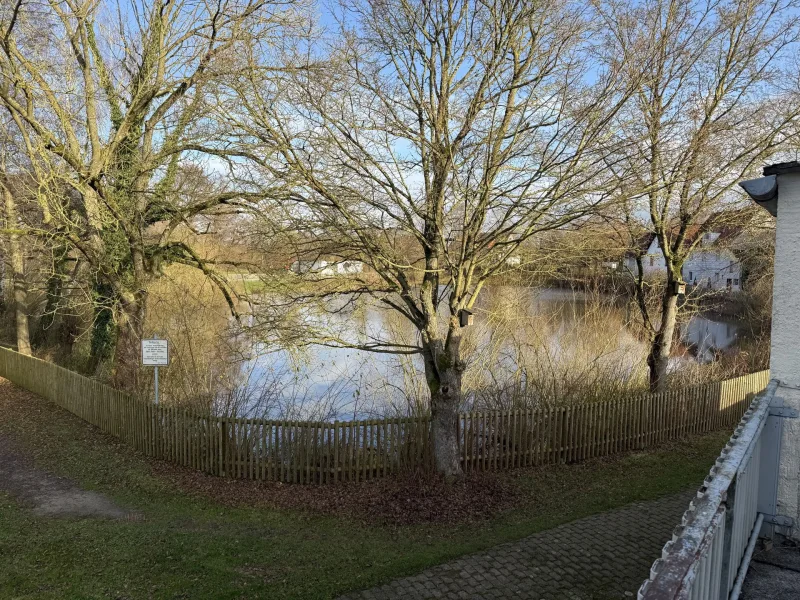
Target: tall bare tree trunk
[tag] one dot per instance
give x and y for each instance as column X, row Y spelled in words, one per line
column 130, row 328
column 8, row 280
column 444, row 371
column 445, row 402
column 17, row 263
column 658, row 358
column 46, row 330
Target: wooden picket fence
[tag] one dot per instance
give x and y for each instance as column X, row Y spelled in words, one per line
column 321, row 452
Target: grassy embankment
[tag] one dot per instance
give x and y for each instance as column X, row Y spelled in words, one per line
column 189, row 545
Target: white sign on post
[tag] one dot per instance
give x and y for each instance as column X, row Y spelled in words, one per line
column 155, row 353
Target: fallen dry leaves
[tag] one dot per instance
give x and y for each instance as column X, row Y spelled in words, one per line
column 405, row 499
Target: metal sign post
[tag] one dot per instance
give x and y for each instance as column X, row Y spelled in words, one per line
column 156, row 383
column 155, row 353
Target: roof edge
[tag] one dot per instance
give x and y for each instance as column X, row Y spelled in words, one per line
column 764, row 191
column 783, row 168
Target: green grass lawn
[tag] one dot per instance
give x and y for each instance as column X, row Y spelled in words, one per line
column 188, row 546
column 254, row 287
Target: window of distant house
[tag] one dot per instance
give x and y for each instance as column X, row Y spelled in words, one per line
column 690, row 276
column 729, row 282
column 735, row 282
column 652, row 261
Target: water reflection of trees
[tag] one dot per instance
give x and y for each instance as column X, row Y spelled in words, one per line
column 552, row 347
column 528, row 347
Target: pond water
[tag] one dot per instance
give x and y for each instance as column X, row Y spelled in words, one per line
column 522, row 337
column 708, row 334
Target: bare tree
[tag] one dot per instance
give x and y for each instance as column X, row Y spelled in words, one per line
column 719, row 100
column 110, row 99
column 438, row 137
column 13, row 233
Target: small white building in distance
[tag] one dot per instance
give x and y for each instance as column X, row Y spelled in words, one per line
column 327, row 268
column 711, row 265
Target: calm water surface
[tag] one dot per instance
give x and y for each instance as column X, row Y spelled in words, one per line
column 513, row 326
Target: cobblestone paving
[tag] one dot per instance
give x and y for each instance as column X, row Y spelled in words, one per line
column 602, row 557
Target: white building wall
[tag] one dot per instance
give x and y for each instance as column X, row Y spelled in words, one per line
column 323, row 268
column 785, row 357
column 349, row 267
column 652, row 263
column 708, row 336
column 715, row 269
column 706, row 267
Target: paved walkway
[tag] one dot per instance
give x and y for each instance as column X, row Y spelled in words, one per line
column 600, row 557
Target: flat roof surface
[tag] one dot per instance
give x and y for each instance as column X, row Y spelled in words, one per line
column 773, row 574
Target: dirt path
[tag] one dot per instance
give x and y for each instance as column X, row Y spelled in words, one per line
column 48, row 494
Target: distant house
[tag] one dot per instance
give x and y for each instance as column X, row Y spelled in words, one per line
column 327, row 268
column 711, row 264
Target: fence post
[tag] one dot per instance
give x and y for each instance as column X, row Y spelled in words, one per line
column 223, row 449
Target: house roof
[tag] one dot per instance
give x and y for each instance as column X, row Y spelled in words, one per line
column 728, row 223
column 792, row 166
column 642, row 243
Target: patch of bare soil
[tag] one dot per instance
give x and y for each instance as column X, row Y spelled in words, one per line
column 49, row 495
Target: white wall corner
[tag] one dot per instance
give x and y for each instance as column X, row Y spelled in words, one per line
column 785, row 356
column 789, row 469
column 785, row 351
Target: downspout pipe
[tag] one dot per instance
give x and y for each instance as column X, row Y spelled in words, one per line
column 748, row 554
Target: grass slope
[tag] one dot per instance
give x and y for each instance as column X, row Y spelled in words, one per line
column 190, row 546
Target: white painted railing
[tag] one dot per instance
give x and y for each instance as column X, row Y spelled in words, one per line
column 710, row 550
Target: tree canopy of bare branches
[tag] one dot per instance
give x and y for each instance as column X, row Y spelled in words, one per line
column 109, row 100
column 720, row 99
column 439, row 137
column 434, row 141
